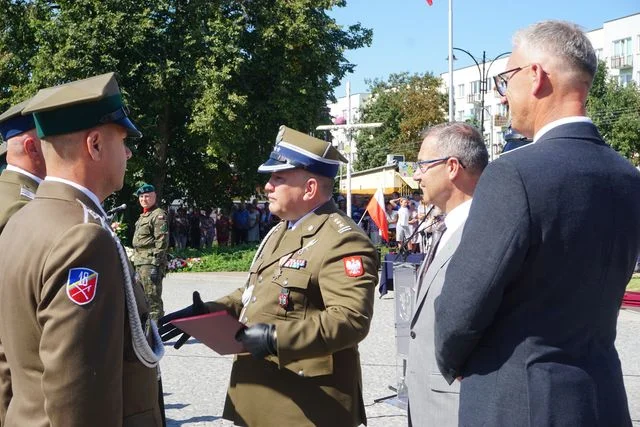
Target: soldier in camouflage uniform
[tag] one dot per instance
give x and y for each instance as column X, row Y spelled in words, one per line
column 150, row 243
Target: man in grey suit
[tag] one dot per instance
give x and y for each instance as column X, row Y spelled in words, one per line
column 527, row 315
column 450, row 161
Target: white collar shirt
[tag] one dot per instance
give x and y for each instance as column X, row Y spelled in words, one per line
column 24, row 172
column 454, row 220
column 79, row 187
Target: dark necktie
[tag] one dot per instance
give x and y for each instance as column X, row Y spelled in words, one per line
column 438, row 231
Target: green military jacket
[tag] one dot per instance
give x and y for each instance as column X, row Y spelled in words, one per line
column 316, row 284
column 151, row 238
column 64, row 322
column 16, row 190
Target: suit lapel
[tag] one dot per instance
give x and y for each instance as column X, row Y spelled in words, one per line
column 443, row 255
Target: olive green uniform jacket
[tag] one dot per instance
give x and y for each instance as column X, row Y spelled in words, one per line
column 16, row 190
column 151, row 239
column 71, row 365
column 316, row 284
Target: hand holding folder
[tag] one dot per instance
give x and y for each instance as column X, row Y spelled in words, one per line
column 215, row 330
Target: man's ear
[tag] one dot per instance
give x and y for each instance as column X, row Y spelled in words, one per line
column 538, row 77
column 311, row 188
column 453, row 167
column 94, row 143
column 30, row 147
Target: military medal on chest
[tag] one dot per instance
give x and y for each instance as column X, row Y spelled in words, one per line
column 283, row 298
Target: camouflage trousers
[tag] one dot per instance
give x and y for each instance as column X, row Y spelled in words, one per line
column 151, row 279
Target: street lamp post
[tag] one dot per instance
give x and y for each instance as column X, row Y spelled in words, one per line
column 483, row 72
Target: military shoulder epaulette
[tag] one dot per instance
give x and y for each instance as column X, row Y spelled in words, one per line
column 338, row 222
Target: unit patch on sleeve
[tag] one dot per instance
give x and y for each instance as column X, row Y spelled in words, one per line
column 81, row 285
column 353, row 266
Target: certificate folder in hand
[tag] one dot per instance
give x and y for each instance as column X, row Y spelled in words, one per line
column 215, row 330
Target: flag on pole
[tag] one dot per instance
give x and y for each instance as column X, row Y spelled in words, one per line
column 376, row 210
column 430, row 2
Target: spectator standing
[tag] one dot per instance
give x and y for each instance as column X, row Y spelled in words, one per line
column 207, row 229
column 180, row 230
column 194, row 229
column 240, row 221
column 223, row 228
column 253, row 232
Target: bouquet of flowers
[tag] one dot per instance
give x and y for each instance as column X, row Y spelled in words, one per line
column 120, row 228
column 176, row 264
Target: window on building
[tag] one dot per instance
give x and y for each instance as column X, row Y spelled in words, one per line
column 599, row 53
column 501, row 110
column 625, row 78
column 460, row 91
column 460, row 115
column 622, row 47
column 474, row 87
column 489, row 84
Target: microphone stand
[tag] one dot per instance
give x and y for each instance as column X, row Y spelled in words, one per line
column 402, row 250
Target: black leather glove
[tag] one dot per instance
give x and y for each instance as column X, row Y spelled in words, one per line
column 168, row 331
column 259, row 340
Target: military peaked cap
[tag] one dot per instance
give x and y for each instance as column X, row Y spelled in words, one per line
column 78, row 105
column 13, row 123
column 145, row 188
column 297, row 150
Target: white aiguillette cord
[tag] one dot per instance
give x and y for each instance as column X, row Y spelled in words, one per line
column 146, row 355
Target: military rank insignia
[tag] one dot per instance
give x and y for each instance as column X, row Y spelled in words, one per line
column 81, row 285
column 283, row 298
column 353, row 266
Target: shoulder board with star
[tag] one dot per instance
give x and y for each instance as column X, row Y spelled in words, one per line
column 338, row 222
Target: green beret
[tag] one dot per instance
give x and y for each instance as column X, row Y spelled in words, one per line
column 145, row 188
column 79, row 105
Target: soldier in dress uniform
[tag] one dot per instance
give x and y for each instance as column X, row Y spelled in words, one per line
column 25, row 162
column 24, row 171
column 72, row 318
column 150, row 244
column 307, row 303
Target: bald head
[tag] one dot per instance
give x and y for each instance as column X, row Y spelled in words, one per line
column 25, row 151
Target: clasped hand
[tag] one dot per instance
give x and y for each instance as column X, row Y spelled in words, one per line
column 168, row 330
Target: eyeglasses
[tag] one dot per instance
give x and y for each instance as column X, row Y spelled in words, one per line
column 424, row 165
column 502, row 80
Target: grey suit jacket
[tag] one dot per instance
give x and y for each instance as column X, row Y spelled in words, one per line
column 433, row 401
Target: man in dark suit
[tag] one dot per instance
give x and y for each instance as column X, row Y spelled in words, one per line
column 450, row 161
column 527, row 315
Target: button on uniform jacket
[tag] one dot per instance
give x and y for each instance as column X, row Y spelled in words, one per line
column 71, row 364
column 529, row 308
column 316, row 284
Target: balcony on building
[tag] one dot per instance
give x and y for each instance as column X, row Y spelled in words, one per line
column 625, row 61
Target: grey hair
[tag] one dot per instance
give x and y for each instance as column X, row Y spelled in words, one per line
column 564, row 41
column 462, row 141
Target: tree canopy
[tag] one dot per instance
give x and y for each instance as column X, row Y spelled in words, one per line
column 615, row 110
column 405, row 104
column 208, row 82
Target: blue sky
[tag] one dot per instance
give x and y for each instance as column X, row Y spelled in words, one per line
column 409, row 35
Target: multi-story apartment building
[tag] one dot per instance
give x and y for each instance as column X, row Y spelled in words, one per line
column 617, row 43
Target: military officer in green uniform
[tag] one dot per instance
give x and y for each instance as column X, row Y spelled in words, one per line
column 25, row 162
column 307, row 302
column 72, row 318
column 19, row 180
column 150, row 244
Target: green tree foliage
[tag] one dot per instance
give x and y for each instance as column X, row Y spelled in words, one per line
column 207, row 81
column 615, row 109
column 406, row 104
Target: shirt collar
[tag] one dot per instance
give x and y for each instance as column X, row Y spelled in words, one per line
column 79, row 187
column 291, row 225
column 572, row 119
column 458, row 215
column 24, row 172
